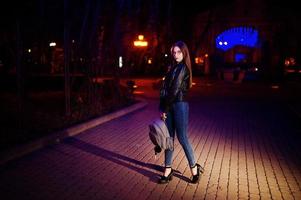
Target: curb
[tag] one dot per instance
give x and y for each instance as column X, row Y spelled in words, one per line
column 56, row 137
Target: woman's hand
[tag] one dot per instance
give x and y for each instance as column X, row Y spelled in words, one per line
column 163, row 116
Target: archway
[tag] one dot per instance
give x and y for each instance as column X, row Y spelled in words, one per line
column 239, row 47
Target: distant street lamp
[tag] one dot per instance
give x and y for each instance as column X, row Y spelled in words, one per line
column 120, row 62
column 52, row 44
column 140, row 42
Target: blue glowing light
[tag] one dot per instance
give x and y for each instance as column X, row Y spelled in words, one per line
column 240, row 57
column 245, row 36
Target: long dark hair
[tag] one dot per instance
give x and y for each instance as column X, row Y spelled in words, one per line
column 186, row 57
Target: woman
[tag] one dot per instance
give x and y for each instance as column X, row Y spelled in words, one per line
column 174, row 108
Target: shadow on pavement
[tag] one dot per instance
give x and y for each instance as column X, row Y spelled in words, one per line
column 121, row 159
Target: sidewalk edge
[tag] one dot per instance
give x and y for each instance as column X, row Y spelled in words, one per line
column 56, row 137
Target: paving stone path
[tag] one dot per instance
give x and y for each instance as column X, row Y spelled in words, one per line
column 249, row 147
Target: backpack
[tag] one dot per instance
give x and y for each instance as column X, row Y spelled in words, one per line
column 159, row 135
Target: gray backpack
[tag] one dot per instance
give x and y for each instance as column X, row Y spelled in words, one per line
column 159, row 136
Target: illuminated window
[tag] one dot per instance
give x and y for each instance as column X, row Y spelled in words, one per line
column 199, row 60
column 289, row 61
column 245, row 36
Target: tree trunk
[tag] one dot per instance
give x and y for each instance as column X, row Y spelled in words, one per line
column 67, row 57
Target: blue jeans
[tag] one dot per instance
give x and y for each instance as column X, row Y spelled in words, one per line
column 177, row 122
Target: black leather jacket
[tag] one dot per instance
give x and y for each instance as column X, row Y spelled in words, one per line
column 175, row 86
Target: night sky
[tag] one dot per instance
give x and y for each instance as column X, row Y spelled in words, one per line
column 45, row 18
column 41, row 21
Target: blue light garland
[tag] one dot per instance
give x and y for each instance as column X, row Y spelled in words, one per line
column 245, row 36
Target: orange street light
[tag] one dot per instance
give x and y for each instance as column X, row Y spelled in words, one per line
column 140, row 42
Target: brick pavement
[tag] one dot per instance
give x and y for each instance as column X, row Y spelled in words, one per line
column 250, row 150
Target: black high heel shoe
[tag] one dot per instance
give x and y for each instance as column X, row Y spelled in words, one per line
column 166, row 179
column 200, row 170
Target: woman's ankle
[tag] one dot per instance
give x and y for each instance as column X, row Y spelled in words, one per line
column 167, row 171
column 194, row 170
